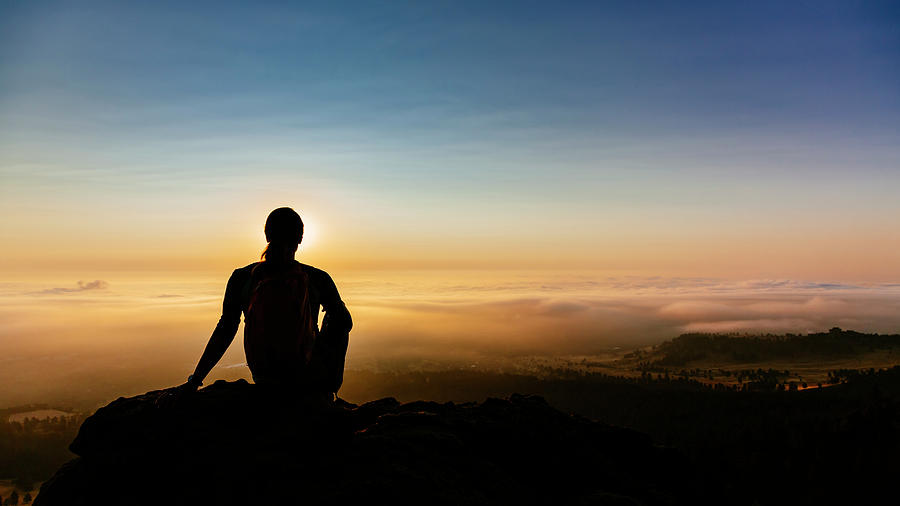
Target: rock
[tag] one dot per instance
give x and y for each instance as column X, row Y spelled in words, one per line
column 237, row 443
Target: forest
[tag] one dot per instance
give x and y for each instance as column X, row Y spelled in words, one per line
column 31, row 450
column 757, row 348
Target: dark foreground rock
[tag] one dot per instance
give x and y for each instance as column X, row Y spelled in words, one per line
column 237, row 443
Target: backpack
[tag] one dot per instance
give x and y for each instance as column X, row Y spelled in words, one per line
column 280, row 327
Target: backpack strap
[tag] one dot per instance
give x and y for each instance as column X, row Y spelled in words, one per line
column 247, row 287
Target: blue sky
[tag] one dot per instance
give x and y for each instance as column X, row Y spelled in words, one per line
column 445, row 74
column 708, row 110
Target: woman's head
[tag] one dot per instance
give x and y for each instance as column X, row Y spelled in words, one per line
column 284, row 231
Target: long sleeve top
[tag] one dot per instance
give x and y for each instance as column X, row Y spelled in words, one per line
column 323, row 293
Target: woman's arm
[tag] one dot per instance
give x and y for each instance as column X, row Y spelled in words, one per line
column 337, row 317
column 334, row 337
column 225, row 330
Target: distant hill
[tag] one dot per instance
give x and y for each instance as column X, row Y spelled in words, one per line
column 836, row 343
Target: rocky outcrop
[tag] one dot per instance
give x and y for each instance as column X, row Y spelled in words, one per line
column 237, row 443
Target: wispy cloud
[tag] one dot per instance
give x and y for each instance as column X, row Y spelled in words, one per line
column 97, row 284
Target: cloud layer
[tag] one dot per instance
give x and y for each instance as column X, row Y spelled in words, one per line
column 155, row 340
column 586, row 316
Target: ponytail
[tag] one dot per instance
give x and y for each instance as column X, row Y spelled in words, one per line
column 276, row 252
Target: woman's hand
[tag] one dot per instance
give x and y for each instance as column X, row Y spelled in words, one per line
column 173, row 396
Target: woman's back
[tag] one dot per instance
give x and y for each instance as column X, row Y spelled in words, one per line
column 280, row 325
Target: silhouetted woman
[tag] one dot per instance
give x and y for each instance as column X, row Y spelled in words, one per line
column 280, row 300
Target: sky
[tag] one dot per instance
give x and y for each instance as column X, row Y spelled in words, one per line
column 431, row 145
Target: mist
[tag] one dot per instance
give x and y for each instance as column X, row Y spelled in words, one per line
column 81, row 343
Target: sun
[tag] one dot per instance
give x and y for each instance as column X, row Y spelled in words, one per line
column 310, row 233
